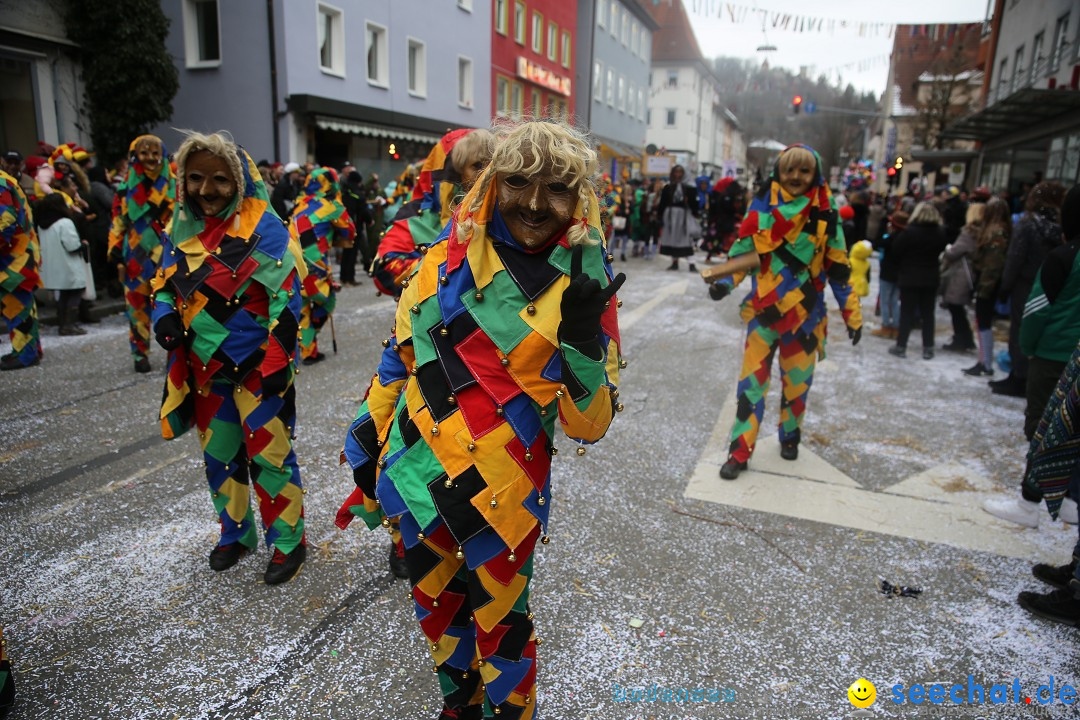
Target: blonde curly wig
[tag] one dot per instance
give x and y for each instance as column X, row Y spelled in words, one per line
column 527, row 148
column 220, row 144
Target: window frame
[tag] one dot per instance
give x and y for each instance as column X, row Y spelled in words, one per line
column 536, row 103
column 565, row 51
column 645, row 39
column 521, row 30
column 598, row 81
column 502, row 110
column 1061, row 31
column 601, row 14
column 517, row 99
column 421, row 91
column 536, row 40
column 668, row 83
column 633, row 36
column 469, row 101
column 1018, row 68
column 609, row 89
column 1036, row 48
column 503, row 20
column 337, row 38
column 383, row 59
column 673, row 114
column 552, row 40
column 614, row 18
column 192, row 39
column 642, row 106
column 622, row 93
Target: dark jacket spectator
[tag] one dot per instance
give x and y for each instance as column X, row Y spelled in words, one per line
column 916, row 251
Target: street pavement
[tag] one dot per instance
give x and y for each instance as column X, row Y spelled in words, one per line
column 762, row 592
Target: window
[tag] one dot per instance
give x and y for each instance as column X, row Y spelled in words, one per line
column 565, row 49
column 642, row 110
column 1002, row 81
column 537, row 33
column 644, row 44
column 417, row 68
column 598, row 81
column 1072, row 160
column 601, row 13
column 331, row 40
column 631, row 99
column 464, row 82
column 1061, row 30
column 517, row 99
column 626, row 28
column 1037, row 60
column 622, row 94
column 610, row 95
column 202, row 37
column 634, row 38
column 561, row 110
column 648, row 117
column 673, row 78
column 669, row 117
column 614, row 17
column 378, row 55
column 500, row 16
column 1018, row 69
column 519, row 22
column 502, row 96
column 552, row 39
column 465, row 5
column 537, row 106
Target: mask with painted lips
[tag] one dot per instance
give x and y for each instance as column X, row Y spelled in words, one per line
column 796, row 179
column 536, row 207
column 208, row 182
column 148, row 154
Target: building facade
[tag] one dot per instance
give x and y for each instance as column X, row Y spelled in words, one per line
column 615, row 47
column 329, row 82
column 41, row 92
column 532, row 58
column 1029, row 124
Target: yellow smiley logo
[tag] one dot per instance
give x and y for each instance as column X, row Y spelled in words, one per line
column 862, row 693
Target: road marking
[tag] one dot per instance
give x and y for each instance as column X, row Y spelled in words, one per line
column 629, row 318
column 939, row 505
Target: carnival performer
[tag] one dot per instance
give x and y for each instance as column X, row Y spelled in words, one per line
column 227, row 308
column 507, row 330
column 792, row 227
column 20, row 258
column 449, row 172
column 141, row 212
column 319, row 222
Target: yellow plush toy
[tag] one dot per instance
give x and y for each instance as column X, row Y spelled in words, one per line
column 860, row 267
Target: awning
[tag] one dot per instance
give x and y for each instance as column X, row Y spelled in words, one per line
column 619, row 150
column 362, row 128
column 1023, row 109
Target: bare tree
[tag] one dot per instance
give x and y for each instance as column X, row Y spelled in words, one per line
column 943, row 95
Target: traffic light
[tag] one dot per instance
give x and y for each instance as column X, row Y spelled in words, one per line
column 796, row 103
column 899, row 164
column 893, row 176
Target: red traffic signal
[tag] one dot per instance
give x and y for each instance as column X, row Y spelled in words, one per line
column 891, row 171
column 796, row 103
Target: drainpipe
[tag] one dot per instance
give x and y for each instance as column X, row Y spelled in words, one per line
column 273, row 78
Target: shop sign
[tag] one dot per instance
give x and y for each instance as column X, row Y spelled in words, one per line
column 542, row 76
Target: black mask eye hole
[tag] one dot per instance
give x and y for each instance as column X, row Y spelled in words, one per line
column 517, row 181
column 558, row 187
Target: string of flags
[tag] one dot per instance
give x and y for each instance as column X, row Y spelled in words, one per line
column 798, row 23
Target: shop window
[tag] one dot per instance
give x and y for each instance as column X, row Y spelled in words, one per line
column 378, row 55
column 1055, row 158
column 202, row 35
column 1071, row 165
column 519, row 22
column 465, row 81
column 417, row 68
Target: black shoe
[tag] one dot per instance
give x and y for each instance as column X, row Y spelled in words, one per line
column 1058, row 576
column 317, row 357
column 789, row 450
column 623, row 257
column 1058, row 605
column 84, row 313
column 12, row 362
column 692, row 268
column 978, row 370
column 1003, row 382
column 282, row 567
column 1009, row 390
column 673, row 266
column 957, row 348
column 731, row 469
column 142, row 365
column 898, row 351
column 224, row 557
column 928, row 354
column 397, row 563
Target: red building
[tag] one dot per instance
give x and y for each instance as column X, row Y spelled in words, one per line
column 532, row 58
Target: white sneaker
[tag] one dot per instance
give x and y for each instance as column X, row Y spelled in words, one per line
column 1067, row 512
column 1016, row 510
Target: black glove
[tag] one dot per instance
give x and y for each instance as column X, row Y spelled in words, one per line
column 719, row 290
column 275, row 383
column 839, row 273
column 583, row 302
column 116, row 256
column 855, row 334
column 169, row 332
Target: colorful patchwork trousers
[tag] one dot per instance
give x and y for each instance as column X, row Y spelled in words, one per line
column 475, row 616
column 137, row 297
column 798, row 357
column 19, row 310
column 319, row 302
column 247, row 439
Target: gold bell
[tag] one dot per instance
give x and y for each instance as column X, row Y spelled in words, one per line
column 452, row 400
column 434, row 603
column 434, row 429
column 619, row 407
column 504, row 361
column 448, row 484
column 528, row 456
column 499, row 411
column 512, row 557
column 494, row 503
column 529, row 616
column 444, row 280
column 622, row 364
column 472, row 447
column 610, row 257
column 531, row 309
column 459, row 555
column 543, row 412
column 386, row 343
column 443, row 332
column 386, row 522
column 415, row 309
column 559, row 393
column 554, row 451
column 479, row 296
column 545, row 540
column 580, row 451
column 279, row 263
column 419, row 536
column 618, row 304
column 541, row 500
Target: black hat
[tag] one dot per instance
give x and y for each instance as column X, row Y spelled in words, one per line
column 13, row 156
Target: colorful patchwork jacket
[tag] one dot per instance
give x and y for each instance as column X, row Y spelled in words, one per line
column 20, row 254
column 141, row 212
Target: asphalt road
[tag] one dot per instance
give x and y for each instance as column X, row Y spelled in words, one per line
column 763, row 591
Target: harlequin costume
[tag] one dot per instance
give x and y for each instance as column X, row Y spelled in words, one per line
column 142, row 210
column 801, row 249
column 20, row 257
column 232, row 284
column 419, row 222
column 319, row 222
column 455, row 440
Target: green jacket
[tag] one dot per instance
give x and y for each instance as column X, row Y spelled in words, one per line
column 1051, row 324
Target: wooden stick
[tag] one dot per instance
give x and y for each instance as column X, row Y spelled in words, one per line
column 739, row 263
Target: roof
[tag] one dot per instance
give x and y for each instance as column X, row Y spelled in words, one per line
column 1025, row 108
column 674, row 41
